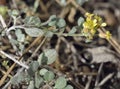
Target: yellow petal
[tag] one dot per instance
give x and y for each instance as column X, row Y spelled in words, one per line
column 108, row 35
column 103, row 24
column 94, row 21
column 101, row 35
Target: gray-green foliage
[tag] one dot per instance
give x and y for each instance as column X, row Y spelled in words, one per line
column 68, row 87
column 61, row 23
column 32, row 21
column 48, row 76
column 34, row 32
column 38, row 80
column 48, row 56
column 20, row 39
column 42, row 29
column 73, row 30
column 33, row 67
column 57, row 22
column 17, row 79
column 80, row 21
column 60, row 83
column 31, row 85
column 20, row 36
column 14, row 13
column 37, row 77
column 43, row 71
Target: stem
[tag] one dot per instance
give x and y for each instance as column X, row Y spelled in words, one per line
column 13, row 59
column 66, row 34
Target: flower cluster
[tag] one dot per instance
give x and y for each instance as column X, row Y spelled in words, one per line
column 107, row 35
column 90, row 26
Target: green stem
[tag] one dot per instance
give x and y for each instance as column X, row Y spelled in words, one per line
column 66, row 34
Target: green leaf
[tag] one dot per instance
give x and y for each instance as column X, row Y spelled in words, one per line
column 33, row 67
column 60, row 83
column 68, row 87
column 61, row 23
column 14, row 13
column 38, row 80
column 31, row 85
column 73, row 30
column 43, row 71
column 42, row 59
column 34, row 32
column 13, row 41
column 49, row 34
column 32, row 20
column 30, row 72
column 36, row 5
column 80, row 21
column 48, row 56
column 61, row 30
column 27, row 77
column 52, row 23
column 49, row 75
column 14, row 81
column 52, row 18
column 17, row 79
column 20, row 36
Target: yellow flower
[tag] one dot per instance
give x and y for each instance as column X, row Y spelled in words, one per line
column 108, row 35
column 103, row 24
column 91, row 24
column 93, row 31
column 89, row 15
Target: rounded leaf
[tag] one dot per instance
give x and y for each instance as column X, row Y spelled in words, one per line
column 31, row 85
column 38, row 80
column 42, row 59
column 18, row 79
column 49, row 34
column 49, row 75
column 15, row 12
column 52, row 17
column 68, row 87
column 80, row 21
column 52, row 23
column 33, row 67
column 32, row 20
column 34, row 32
column 49, row 56
column 73, row 30
column 20, row 36
column 60, row 83
column 43, row 71
column 61, row 23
